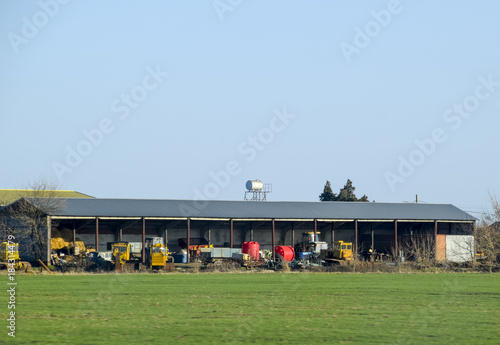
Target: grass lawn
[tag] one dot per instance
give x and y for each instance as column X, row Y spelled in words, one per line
column 256, row 308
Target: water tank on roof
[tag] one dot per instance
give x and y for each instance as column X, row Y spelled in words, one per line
column 254, row 185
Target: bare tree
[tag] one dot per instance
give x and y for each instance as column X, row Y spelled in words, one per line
column 4, row 227
column 29, row 215
column 419, row 248
column 6, row 224
column 487, row 233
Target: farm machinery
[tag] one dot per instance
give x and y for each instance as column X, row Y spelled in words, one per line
column 223, row 257
column 100, row 260
column 311, row 250
column 9, row 257
column 156, row 255
column 71, row 255
column 203, row 254
column 310, row 247
column 340, row 254
column 195, row 248
column 123, row 257
column 311, row 242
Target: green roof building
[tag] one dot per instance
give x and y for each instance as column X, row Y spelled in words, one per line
column 8, row 196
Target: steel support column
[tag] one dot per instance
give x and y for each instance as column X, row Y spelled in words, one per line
column 333, row 233
column 231, row 234
column 435, row 238
column 293, row 235
column 97, row 233
column 165, row 232
column 74, row 232
column 143, row 240
column 355, row 239
column 49, row 239
column 373, row 238
column 188, row 237
column 396, row 238
column 274, row 239
column 315, row 231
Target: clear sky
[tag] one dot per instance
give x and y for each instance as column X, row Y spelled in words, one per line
column 190, row 99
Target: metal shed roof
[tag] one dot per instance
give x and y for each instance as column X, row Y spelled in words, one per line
column 260, row 210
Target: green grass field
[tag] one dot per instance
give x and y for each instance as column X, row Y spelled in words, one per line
column 257, row 308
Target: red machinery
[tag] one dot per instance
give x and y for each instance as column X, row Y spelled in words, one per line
column 286, row 252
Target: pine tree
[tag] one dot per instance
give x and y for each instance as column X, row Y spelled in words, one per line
column 328, row 194
column 363, row 198
column 347, row 193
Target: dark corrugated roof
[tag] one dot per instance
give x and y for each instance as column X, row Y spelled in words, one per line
column 256, row 209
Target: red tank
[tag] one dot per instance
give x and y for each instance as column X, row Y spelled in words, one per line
column 253, row 250
column 244, row 248
column 286, row 252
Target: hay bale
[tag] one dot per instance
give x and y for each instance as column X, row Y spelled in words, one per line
column 58, row 243
column 80, row 245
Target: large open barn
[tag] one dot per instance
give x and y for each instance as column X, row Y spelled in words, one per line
column 384, row 227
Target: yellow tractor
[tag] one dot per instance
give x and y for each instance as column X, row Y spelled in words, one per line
column 157, row 256
column 341, row 253
column 10, row 251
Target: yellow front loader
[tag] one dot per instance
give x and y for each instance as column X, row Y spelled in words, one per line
column 157, row 256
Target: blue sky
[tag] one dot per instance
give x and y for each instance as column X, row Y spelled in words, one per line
column 178, row 99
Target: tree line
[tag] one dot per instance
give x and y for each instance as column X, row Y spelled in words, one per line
column 345, row 194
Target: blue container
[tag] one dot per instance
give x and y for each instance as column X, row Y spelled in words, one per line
column 303, row 255
column 180, row 258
